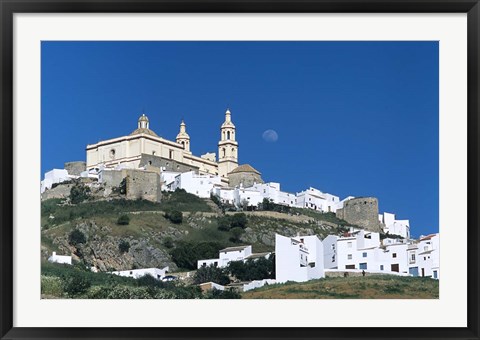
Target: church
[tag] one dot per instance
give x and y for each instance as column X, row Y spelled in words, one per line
column 144, row 148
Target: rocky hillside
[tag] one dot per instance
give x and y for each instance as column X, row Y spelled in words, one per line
column 154, row 238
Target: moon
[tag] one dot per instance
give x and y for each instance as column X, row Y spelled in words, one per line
column 270, row 136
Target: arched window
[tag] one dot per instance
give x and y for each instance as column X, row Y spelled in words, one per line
column 228, row 134
column 183, row 143
column 223, row 152
column 233, row 152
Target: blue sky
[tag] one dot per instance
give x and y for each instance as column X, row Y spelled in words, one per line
column 352, row 118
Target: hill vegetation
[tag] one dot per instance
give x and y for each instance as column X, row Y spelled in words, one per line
column 368, row 287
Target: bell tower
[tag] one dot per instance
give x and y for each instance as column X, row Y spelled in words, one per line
column 227, row 147
column 183, row 137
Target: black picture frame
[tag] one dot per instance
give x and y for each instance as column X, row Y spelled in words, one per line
column 10, row 7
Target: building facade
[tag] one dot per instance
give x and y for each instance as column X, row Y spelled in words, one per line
column 128, row 150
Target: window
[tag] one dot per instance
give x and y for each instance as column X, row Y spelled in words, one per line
column 435, row 274
column 333, row 246
column 413, row 257
column 170, row 154
column 364, row 255
column 131, row 273
column 112, row 153
column 349, row 244
column 362, row 266
column 394, row 255
column 349, row 256
column 381, row 267
column 153, row 153
column 228, row 134
column 333, row 258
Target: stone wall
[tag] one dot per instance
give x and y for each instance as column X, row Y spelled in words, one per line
column 61, row 190
column 247, row 179
column 168, row 164
column 75, row 168
column 111, row 179
column 143, row 185
column 362, row 211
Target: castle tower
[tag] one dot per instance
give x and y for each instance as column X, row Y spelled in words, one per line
column 227, row 147
column 183, row 137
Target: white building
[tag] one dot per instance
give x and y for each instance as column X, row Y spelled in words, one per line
column 227, row 255
column 315, row 199
column 60, row 259
column 330, row 252
column 393, row 226
column 246, row 197
column 226, row 195
column 199, row 185
column 168, row 179
column 298, row 258
column 428, row 256
column 364, row 251
column 52, row 177
column 137, row 273
column 271, row 191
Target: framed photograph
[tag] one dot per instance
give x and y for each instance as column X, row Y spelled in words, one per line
column 233, row 169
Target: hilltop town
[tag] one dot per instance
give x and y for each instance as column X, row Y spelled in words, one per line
column 301, row 236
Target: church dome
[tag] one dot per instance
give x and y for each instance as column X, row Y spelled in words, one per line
column 143, row 127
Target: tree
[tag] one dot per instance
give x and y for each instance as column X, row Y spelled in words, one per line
column 236, row 234
column 211, row 274
column 174, row 216
column 76, row 237
column 79, row 193
column 223, row 294
column 168, row 242
column 239, row 221
column 257, row 269
column 75, row 284
column 123, row 220
column 124, row 246
column 223, row 223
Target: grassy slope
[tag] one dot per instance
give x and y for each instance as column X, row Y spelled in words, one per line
column 369, row 287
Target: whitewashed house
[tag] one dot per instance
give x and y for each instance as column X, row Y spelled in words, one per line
column 315, row 199
column 60, row 259
column 158, row 274
column 167, row 179
column 393, row 226
column 246, row 197
column 225, row 194
column 298, row 258
column 227, row 255
column 330, row 252
column 428, row 256
column 199, row 185
column 52, row 177
column 272, row 192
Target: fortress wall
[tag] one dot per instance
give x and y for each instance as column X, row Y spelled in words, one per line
column 168, row 164
column 361, row 211
column 143, row 185
column 75, row 168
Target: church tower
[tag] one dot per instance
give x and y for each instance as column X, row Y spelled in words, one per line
column 227, row 147
column 183, row 137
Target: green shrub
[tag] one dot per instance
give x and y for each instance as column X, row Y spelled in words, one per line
column 168, row 242
column 51, row 285
column 211, row 273
column 174, row 216
column 236, row 234
column 75, row 284
column 124, row 246
column 76, row 237
column 79, row 193
column 186, row 254
column 222, row 294
column 123, row 220
column 226, row 223
column 255, row 269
